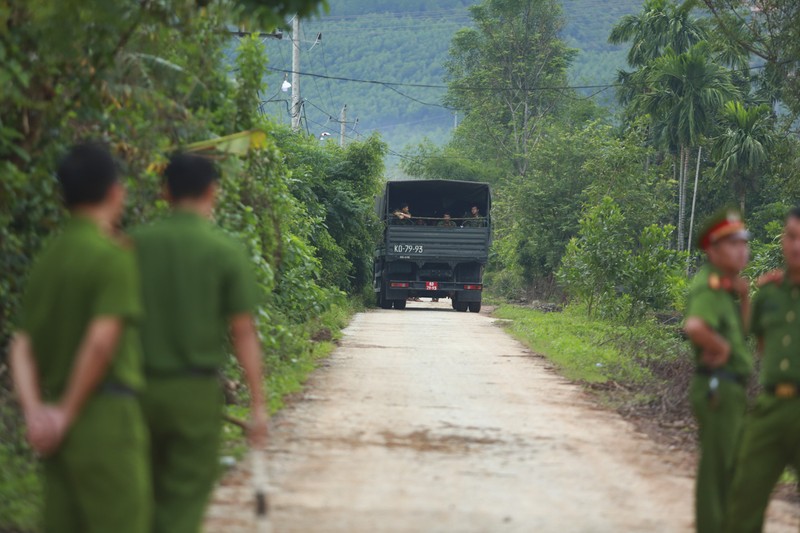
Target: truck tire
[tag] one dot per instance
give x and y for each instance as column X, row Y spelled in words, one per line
column 474, row 307
column 382, row 301
column 399, row 304
column 461, row 307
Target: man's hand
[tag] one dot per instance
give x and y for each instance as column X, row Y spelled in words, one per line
column 716, row 358
column 715, row 350
column 47, row 427
column 775, row 276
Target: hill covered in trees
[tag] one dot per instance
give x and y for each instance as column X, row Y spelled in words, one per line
column 407, row 42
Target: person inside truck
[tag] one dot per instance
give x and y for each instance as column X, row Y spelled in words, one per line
column 446, row 221
column 474, row 220
column 402, row 215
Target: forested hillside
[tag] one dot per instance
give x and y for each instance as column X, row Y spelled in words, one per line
column 408, row 42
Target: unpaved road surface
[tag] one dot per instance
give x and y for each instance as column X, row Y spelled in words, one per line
column 432, row 420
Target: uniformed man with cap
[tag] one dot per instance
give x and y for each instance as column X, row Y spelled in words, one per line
column 475, row 220
column 716, row 317
column 198, row 287
column 772, row 436
column 76, row 360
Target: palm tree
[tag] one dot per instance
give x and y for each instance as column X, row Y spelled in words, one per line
column 743, row 146
column 660, row 25
column 686, row 90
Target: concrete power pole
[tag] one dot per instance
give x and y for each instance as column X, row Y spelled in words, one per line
column 342, row 125
column 296, row 73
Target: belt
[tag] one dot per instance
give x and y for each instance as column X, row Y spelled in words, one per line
column 183, row 372
column 784, row 390
column 116, row 389
column 725, row 375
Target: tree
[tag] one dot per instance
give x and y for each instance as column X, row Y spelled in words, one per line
column 742, row 148
column 686, row 90
column 661, row 25
column 499, row 72
column 769, row 30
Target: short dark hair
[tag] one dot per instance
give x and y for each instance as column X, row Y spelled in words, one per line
column 794, row 212
column 403, row 205
column 189, row 175
column 86, row 173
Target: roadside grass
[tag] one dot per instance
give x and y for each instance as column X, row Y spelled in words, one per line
column 642, row 370
column 591, row 350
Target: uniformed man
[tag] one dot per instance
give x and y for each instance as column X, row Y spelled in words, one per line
column 402, row 216
column 76, row 361
column 198, row 285
column 446, row 221
column 772, row 436
column 475, row 220
column 716, row 317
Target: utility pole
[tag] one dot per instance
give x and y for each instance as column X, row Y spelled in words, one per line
column 342, row 125
column 296, row 73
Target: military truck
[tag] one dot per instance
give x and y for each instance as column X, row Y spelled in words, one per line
column 422, row 253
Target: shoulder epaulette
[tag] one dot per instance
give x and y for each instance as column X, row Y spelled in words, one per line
column 717, row 282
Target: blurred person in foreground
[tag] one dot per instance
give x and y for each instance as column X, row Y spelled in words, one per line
column 771, row 439
column 76, row 361
column 716, row 322
column 198, row 287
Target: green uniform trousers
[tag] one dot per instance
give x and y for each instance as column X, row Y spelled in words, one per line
column 720, row 423
column 771, row 441
column 98, row 480
column 184, row 416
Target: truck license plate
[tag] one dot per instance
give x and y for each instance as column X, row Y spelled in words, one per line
column 431, row 285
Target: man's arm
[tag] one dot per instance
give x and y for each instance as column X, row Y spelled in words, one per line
column 715, row 350
column 247, row 348
column 94, row 355
column 24, row 373
column 41, row 433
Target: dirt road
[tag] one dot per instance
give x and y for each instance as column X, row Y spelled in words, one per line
column 432, row 420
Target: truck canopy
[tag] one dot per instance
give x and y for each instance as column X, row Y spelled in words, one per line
column 433, row 198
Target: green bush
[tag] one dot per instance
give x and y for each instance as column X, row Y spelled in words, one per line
column 619, row 275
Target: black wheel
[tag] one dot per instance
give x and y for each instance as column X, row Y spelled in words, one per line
column 474, row 307
column 461, row 307
column 382, row 301
column 399, row 304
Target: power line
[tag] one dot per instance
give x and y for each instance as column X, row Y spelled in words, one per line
column 441, row 86
column 419, row 101
column 391, row 84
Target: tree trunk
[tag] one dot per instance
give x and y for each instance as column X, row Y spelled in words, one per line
column 694, row 201
column 684, row 163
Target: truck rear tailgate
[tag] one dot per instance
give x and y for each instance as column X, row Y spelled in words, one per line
column 437, row 243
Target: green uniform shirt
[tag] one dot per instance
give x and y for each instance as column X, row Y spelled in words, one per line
column 194, row 279
column 719, row 309
column 80, row 275
column 475, row 222
column 775, row 318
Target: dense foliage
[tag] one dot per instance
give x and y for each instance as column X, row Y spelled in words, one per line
column 603, row 208
column 148, row 78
